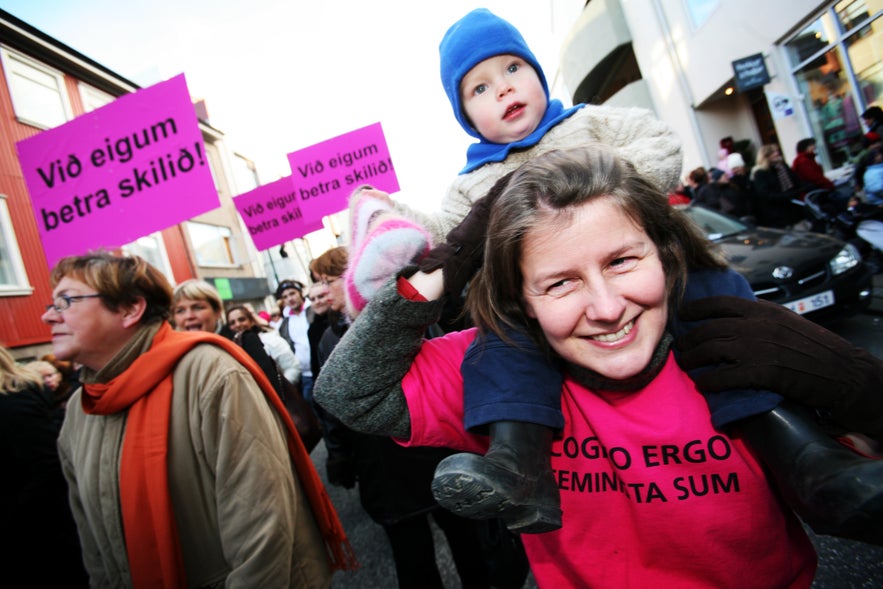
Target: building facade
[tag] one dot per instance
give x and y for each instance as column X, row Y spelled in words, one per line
column 807, row 69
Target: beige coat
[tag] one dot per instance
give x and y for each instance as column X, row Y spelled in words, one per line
column 650, row 144
column 243, row 519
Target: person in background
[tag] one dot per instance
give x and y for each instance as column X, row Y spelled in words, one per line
column 680, row 195
column 873, row 143
column 727, row 148
column 275, row 319
column 241, row 319
column 395, row 482
column 708, row 192
column 776, row 186
column 873, row 120
column 171, row 435
column 317, row 315
column 632, row 518
column 723, row 195
column 56, row 389
column 696, row 179
column 69, row 372
column 739, row 172
column 197, row 306
column 808, row 169
column 294, row 329
column 39, row 546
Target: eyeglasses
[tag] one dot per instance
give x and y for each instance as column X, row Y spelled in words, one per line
column 63, row 302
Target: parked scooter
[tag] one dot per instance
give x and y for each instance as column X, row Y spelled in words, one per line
column 848, row 219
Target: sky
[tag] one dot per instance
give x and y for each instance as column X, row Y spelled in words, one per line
column 280, row 75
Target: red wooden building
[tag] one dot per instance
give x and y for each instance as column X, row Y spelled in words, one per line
column 44, row 84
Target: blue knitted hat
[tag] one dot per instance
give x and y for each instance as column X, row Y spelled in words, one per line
column 472, row 39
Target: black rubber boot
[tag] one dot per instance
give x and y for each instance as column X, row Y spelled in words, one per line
column 833, row 489
column 513, row 481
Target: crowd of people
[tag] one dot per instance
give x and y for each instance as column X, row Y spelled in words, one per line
column 604, row 404
column 772, row 192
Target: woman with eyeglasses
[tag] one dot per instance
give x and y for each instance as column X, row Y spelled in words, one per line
column 183, row 466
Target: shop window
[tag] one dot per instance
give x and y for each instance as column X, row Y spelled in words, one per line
column 212, row 244
column 813, row 39
column 13, row 279
column 836, row 61
column 832, row 108
column 38, row 94
column 865, row 50
column 851, row 13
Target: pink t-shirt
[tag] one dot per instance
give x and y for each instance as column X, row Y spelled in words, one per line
column 653, row 496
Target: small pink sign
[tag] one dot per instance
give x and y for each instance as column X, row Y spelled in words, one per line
column 108, row 177
column 272, row 214
column 325, row 174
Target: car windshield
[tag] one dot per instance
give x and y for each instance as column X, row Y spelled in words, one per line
column 713, row 224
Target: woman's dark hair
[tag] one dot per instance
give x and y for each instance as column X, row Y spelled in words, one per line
column 548, row 189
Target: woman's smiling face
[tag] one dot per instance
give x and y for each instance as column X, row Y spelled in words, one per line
column 595, row 283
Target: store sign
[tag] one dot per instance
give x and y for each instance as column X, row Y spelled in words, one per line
column 750, row 72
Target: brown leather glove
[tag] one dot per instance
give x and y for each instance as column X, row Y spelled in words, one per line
column 462, row 254
column 762, row 345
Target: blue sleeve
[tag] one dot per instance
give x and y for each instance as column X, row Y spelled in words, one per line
column 510, row 382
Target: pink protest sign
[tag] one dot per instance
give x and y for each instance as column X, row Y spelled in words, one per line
column 272, row 214
column 108, row 177
column 325, row 174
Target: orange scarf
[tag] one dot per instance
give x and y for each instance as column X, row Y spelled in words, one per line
column 145, row 389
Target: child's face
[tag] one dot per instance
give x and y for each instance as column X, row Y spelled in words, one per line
column 504, row 99
column 601, row 302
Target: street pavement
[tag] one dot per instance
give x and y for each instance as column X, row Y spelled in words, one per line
column 843, row 564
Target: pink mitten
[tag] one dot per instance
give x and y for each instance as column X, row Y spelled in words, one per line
column 382, row 243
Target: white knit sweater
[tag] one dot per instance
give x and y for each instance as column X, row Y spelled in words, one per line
column 650, row 144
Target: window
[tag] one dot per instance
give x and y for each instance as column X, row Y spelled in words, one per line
column 700, row 10
column 213, row 244
column 13, row 279
column 244, row 174
column 152, row 249
column 93, row 98
column 836, row 63
column 865, row 50
column 831, row 106
column 38, row 93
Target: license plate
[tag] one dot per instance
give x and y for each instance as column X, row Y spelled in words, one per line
column 813, row 303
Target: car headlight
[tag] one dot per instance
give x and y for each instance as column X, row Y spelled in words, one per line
column 845, row 259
